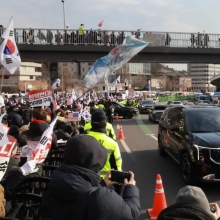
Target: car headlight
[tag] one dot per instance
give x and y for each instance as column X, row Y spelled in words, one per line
column 203, row 152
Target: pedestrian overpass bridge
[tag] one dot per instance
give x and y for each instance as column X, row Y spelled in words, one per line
column 52, row 45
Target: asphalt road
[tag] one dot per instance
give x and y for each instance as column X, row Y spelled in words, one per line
column 140, row 155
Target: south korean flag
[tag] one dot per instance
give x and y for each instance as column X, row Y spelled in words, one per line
column 9, row 55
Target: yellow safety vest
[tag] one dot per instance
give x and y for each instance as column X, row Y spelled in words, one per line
column 109, row 129
column 101, row 106
column 112, row 147
column 81, row 30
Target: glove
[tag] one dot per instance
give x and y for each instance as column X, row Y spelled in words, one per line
column 29, row 167
column 26, row 151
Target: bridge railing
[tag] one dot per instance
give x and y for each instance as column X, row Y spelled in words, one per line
column 112, row 37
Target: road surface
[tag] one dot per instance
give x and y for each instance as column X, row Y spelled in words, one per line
column 140, row 155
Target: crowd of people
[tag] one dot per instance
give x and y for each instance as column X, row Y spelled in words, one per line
column 80, row 187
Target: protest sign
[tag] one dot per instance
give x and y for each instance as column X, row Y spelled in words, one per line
column 39, row 98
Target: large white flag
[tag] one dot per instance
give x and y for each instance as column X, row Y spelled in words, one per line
column 42, row 149
column 9, row 55
column 56, row 85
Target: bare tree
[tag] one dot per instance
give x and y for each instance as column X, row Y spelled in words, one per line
column 45, row 74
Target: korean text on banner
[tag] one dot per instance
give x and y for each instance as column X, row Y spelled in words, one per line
column 6, row 146
column 40, row 98
column 44, row 145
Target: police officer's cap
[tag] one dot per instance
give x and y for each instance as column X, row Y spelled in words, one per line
column 98, row 116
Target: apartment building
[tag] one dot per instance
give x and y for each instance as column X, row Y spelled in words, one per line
column 26, row 77
column 201, row 75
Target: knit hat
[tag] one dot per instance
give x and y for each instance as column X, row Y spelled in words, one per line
column 193, row 196
column 85, row 151
column 98, row 116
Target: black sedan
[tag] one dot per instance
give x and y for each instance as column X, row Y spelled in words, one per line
column 156, row 112
column 124, row 111
column 146, row 105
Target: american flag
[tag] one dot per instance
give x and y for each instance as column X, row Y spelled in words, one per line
column 73, row 116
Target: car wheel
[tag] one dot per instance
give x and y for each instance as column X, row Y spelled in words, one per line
column 186, row 168
column 154, row 120
column 161, row 147
column 127, row 115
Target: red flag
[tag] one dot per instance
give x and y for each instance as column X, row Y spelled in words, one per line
column 100, row 23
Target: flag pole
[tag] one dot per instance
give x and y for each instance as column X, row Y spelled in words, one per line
column 2, row 80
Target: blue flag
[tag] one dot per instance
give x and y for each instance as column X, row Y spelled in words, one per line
column 117, row 57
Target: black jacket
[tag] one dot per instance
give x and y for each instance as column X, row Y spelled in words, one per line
column 184, row 211
column 36, row 129
column 70, row 198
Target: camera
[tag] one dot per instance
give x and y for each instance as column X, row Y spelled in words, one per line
column 119, row 176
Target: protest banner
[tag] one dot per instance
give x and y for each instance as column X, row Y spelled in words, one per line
column 6, row 146
column 39, row 98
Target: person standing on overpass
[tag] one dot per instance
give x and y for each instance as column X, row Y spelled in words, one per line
column 81, row 33
column 98, row 131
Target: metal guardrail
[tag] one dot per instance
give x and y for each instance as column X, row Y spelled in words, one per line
column 112, row 37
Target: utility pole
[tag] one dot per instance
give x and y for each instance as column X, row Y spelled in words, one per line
column 64, row 15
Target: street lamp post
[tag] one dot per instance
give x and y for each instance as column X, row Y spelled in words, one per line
column 64, row 16
column 25, row 87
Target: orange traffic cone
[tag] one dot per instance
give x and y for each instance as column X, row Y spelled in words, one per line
column 116, row 118
column 159, row 199
column 121, row 134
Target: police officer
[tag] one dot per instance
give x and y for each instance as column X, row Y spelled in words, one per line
column 98, row 131
column 109, row 130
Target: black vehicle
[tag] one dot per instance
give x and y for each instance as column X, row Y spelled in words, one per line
column 156, row 112
column 146, row 105
column 191, row 136
column 124, row 111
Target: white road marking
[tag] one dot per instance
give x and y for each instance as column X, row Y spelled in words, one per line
column 152, row 135
column 127, row 149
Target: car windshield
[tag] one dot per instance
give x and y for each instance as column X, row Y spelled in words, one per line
column 147, row 102
column 159, row 107
column 120, row 105
column 203, row 120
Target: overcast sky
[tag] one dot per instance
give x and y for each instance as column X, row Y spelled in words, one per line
column 149, row 15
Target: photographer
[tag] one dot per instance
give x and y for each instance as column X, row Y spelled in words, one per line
column 77, row 192
column 191, row 203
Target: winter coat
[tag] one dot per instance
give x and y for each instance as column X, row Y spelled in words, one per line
column 62, row 135
column 184, row 211
column 70, row 197
column 16, row 119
